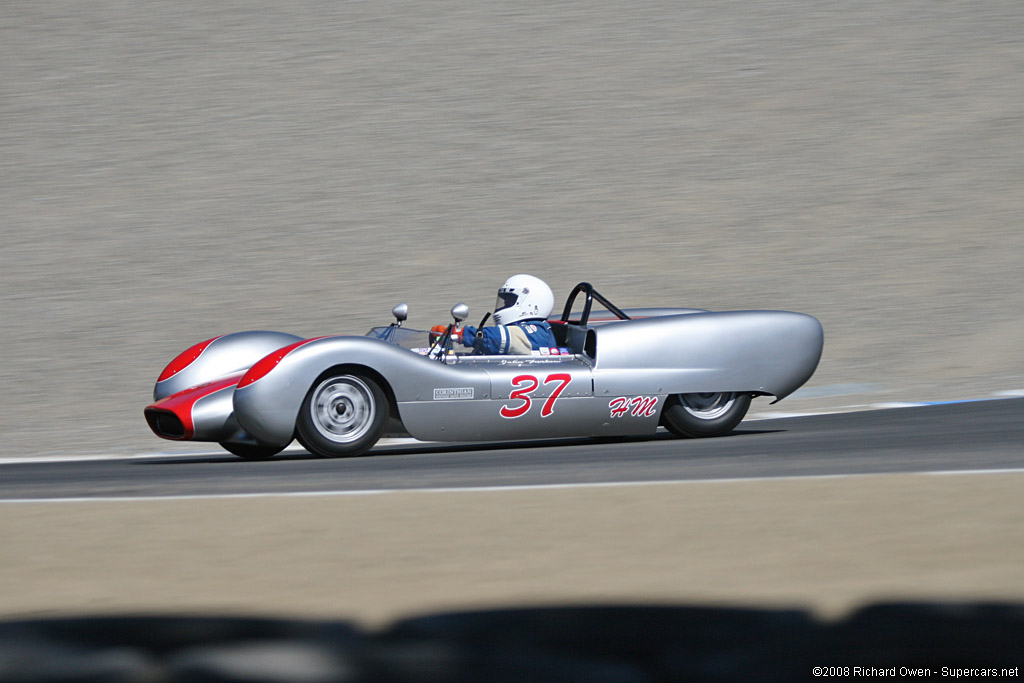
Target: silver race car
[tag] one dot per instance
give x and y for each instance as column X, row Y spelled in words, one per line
column 615, row 373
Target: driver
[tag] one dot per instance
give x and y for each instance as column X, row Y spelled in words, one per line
column 521, row 312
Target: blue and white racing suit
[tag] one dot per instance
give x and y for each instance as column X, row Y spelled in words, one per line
column 516, row 338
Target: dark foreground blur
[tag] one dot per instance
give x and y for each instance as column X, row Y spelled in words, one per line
column 593, row 643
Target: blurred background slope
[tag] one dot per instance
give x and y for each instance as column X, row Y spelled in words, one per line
column 174, row 171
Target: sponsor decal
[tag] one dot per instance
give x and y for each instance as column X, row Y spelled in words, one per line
column 524, row 385
column 544, row 351
column 564, row 351
column 555, row 351
column 637, row 406
column 453, row 393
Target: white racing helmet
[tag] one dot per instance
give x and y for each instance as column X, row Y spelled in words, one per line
column 523, row 297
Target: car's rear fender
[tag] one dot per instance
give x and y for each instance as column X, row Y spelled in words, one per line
column 765, row 352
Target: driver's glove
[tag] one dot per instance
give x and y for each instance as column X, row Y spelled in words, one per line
column 437, row 331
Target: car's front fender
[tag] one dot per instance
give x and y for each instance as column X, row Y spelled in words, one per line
column 217, row 357
column 269, row 396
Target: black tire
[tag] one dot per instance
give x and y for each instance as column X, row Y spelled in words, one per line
column 702, row 415
column 252, row 451
column 342, row 416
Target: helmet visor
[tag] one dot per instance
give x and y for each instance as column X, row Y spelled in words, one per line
column 505, row 300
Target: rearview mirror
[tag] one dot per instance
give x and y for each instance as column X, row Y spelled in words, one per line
column 460, row 312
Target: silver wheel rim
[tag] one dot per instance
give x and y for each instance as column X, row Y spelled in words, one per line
column 707, row 406
column 343, row 409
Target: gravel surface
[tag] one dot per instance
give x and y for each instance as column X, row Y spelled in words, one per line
column 174, row 171
column 827, row 544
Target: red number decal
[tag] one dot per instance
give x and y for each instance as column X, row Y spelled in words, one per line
column 527, row 384
column 549, row 405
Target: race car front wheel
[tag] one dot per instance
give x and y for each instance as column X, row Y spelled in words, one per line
column 343, row 415
column 706, row 414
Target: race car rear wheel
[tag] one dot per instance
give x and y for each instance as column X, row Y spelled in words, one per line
column 343, row 415
column 705, row 414
column 251, row 451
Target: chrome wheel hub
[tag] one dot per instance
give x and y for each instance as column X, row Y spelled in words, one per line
column 343, row 409
column 707, row 406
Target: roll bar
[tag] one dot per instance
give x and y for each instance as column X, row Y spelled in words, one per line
column 591, row 294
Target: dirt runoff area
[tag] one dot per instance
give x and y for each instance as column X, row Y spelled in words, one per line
column 170, row 172
column 826, row 544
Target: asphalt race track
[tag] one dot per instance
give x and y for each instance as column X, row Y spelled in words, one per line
column 970, row 436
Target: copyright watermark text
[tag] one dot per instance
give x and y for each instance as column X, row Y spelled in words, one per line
column 914, row 672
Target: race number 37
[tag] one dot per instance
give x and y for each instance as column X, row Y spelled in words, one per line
column 522, row 388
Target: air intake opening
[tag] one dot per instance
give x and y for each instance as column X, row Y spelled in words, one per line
column 590, row 344
column 165, row 424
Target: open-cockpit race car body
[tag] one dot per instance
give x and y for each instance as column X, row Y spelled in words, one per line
column 615, row 373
